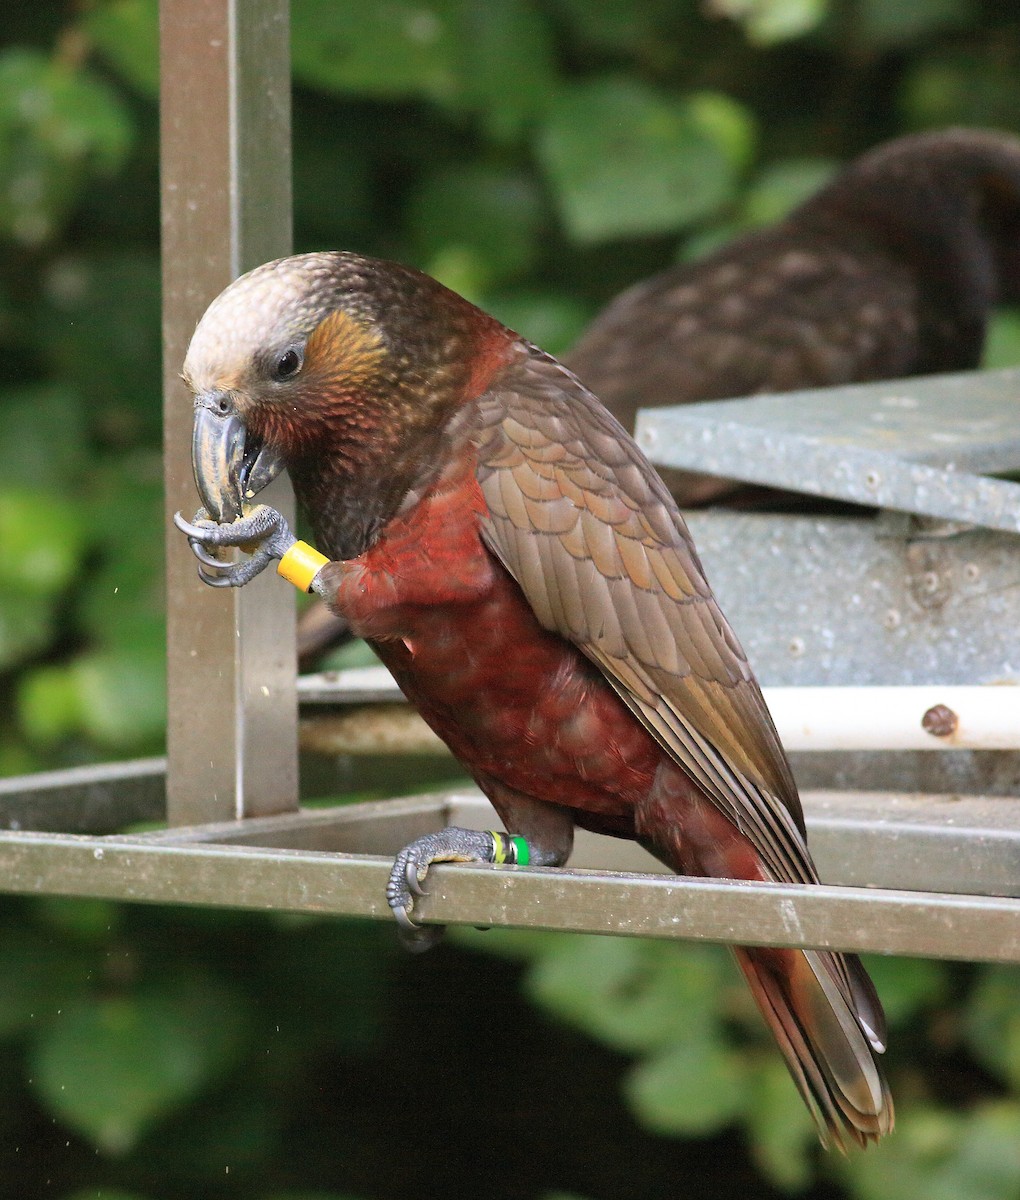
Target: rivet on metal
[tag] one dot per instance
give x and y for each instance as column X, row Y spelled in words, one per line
column 940, row 721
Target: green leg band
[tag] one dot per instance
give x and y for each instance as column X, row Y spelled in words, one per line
column 513, row 850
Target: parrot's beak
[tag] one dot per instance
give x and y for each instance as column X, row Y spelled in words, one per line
column 231, row 466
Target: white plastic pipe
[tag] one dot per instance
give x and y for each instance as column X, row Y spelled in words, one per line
column 931, row 717
column 897, row 718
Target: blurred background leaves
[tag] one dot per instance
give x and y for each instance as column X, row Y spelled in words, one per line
column 538, row 155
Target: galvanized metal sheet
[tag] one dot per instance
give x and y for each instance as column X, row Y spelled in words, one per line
column 922, row 445
column 865, row 601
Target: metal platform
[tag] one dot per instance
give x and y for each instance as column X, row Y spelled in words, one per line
column 924, row 446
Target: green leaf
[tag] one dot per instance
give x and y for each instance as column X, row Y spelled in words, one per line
column 116, row 697
column 507, row 64
column 111, row 1067
column 782, row 1132
column 41, row 542
column 730, row 124
column 85, row 918
column 694, row 1087
column 992, row 1022
column 625, row 161
column 58, row 125
column 781, row 187
column 120, row 604
column 942, row 1155
column 630, row 994
column 127, row 34
column 122, row 696
column 621, row 26
column 48, row 705
column 769, row 21
column 384, row 48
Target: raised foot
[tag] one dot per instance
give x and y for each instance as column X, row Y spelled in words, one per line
column 263, row 532
column 411, row 865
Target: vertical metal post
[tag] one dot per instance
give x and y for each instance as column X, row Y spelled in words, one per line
column 226, row 207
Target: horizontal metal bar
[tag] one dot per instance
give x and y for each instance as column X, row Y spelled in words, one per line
column 246, row 877
column 94, row 799
column 968, row 845
column 910, row 445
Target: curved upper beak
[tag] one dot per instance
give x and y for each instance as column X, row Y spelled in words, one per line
column 231, row 466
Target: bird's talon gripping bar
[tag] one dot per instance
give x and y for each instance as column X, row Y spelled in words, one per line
column 300, row 565
column 512, row 851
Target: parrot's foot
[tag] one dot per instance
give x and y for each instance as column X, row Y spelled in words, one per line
column 263, row 532
column 448, row 845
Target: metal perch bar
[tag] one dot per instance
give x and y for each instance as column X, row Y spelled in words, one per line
column 983, row 928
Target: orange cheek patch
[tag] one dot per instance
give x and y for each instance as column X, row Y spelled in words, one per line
column 343, row 349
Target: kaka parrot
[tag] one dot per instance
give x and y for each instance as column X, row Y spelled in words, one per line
column 522, row 571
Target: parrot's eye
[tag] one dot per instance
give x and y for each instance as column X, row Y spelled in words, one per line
column 288, row 364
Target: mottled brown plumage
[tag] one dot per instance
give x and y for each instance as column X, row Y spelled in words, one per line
column 891, row 270
column 517, row 564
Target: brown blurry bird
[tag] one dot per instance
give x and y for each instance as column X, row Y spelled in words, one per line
column 519, row 567
column 892, row 269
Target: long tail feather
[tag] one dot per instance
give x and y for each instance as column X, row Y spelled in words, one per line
column 830, row 1048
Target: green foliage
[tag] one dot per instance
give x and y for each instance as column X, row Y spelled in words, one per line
column 539, row 155
column 626, row 161
column 939, row 1154
column 111, row 1066
column 58, row 123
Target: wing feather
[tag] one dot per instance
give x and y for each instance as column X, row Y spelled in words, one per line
column 605, row 559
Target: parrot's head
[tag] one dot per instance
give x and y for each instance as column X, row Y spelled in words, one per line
column 333, row 366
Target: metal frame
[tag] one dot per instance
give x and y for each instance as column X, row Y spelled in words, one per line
column 226, row 205
column 903, row 869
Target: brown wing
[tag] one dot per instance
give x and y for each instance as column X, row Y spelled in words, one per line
column 585, row 526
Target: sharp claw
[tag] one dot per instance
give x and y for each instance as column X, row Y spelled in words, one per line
column 193, row 531
column 205, row 557
column 216, row 581
column 413, row 882
column 404, row 920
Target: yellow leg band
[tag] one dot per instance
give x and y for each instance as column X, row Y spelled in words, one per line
column 300, row 565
